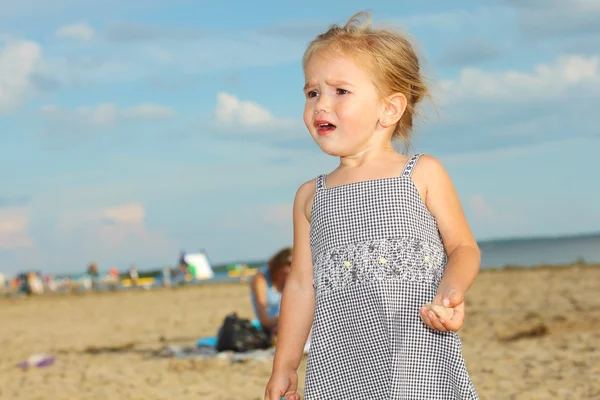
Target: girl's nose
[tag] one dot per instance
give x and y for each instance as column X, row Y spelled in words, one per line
column 322, row 104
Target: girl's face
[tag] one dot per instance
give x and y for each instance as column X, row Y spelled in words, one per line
column 343, row 105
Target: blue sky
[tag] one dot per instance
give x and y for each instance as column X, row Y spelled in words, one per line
column 131, row 130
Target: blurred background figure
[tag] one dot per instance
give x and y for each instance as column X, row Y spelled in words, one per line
column 266, row 288
column 166, row 279
column 182, row 272
column 34, row 283
column 92, row 272
column 50, row 283
column 133, row 275
column 113, row 279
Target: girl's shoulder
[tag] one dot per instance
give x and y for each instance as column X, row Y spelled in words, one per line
column 305, row 196
column 429, row 168
column 428, row 176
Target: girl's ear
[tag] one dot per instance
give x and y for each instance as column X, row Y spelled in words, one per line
column 395, row 105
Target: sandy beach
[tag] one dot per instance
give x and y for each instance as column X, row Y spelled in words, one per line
column 529, row 334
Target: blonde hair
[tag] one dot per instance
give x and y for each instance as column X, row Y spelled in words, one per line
column 387, row 54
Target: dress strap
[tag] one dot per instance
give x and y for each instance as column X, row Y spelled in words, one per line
column 410, row 165
column 320, row 182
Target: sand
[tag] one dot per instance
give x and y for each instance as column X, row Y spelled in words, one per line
column 529, row 334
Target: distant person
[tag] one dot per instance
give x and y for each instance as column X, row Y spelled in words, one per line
column 68, row 284
column 266, row 287
column 181, row 273
column 166, row 280
column 376, row 239
column 51, row 282
column 113, row 279
column 35, row 283
column 92, row 271
column 244, row 273
column 133, row 275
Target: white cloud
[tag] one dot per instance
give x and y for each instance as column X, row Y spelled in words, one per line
column 109, row 233
column 274, row 215
column 249, row 231
column 302, row 30
column 543, row 82
column 481, row 209
column 543, row 19
column 231, row 111
column 34, row 11
column 77, row 31
column 486, row 217
column 135, row 32
column 456, row 19
column 470, row 51
column 495, row 110
column 280, row 214
column 18, row 60
column 68, row 238
column 138, row 56
column 536, row 19
column 100, row 115
column 126, row 213
column 148, row 111
column 14, row 229
column 103, row 115
column 452, row 24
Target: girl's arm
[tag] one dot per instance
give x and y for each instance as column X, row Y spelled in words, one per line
column 259, row 289
column 298, row 300
column 463, row 252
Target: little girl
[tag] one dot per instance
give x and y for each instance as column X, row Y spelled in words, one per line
column 375, row 240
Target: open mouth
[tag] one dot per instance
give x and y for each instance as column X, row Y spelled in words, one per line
column 324, row 127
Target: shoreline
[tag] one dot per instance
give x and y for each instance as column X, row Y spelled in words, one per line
column 12, row 294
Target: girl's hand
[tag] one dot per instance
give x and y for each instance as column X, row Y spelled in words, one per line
column 451, row 298
column 282, row 385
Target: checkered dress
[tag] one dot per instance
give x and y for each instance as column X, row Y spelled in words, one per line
column 378, row 257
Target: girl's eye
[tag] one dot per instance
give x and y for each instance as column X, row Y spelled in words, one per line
column 342, row 91
column 311, row 94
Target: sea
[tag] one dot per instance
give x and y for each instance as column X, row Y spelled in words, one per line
column 500, row 253
column 517, row 252
column 527, row 252
column 541, row 250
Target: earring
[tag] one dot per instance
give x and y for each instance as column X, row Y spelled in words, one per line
column 383, row 122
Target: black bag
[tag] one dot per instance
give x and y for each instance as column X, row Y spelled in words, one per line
column 239, row 335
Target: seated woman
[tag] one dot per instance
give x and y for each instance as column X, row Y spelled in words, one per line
column 266, row 288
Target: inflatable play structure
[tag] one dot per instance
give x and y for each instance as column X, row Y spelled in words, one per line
column 198, row 265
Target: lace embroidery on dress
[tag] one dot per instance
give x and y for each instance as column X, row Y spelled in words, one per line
column 382, row 259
